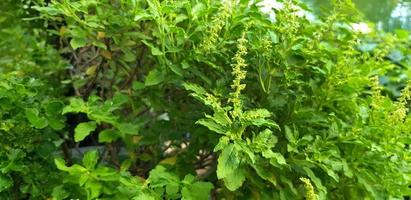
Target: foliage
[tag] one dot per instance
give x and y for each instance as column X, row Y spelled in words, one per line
column 198, row 99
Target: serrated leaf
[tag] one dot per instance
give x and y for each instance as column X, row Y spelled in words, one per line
column 265, row 173
column 228, row 161
column 234, row 180
column 222, row 118
column 195, row 88
column 83, row 130
column 265, row 139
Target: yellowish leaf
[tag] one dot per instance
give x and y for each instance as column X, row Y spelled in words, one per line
column 91, row 70
column 101, row 35
column 169, row 160
column 62, row 30
column 106, row 54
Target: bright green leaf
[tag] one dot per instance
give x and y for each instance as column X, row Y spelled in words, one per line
column 83, row 130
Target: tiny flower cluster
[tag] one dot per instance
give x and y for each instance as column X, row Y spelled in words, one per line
column 401, row 111
column 214, row 31
column 310, row 193
column 376, row 89
column 239, row 74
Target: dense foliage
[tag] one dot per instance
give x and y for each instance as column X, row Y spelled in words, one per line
column 200, row 99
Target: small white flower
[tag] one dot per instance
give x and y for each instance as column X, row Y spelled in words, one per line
column 269, row 6
column 266, row 6
column 361, row 27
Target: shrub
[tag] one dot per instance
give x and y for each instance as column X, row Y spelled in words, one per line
column 205, row 99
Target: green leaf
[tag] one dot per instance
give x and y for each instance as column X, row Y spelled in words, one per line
column 265, row 139
column 108, row 135
column 145, row 197
column 176, row 69
column 128, row 128
column 197, row 9
column 61, row 164
column 154, row 50
column 315, row 180
column 78, row 42
column 265, row 173
column 32, row 115
column 138, row 86
column 102, row 115
column 194, row 88
column 46, row 149
column 60, row 193
column 279, row 158
column 258, row 117
column 402, row 34
column 90, row 159
column 159, row 177
column 142, row 16
column 274, row 37
column 290, row 135
column 76, row 105
column 222, row 118
column 119, row 99
column 83, row 130
column 197, row 191
column 212, row 125
column 5, row 182
column 154, row 77
column 83, row 179
column 94, row 187
column 228, row 161
column 56, row 124
column 54, row 108
column 234, row 180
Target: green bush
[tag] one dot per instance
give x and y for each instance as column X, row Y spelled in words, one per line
column 196, row 99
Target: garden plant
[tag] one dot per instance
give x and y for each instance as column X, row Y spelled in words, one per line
column 201, row 99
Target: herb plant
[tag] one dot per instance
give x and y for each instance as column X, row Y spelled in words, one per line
column 200, row 99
